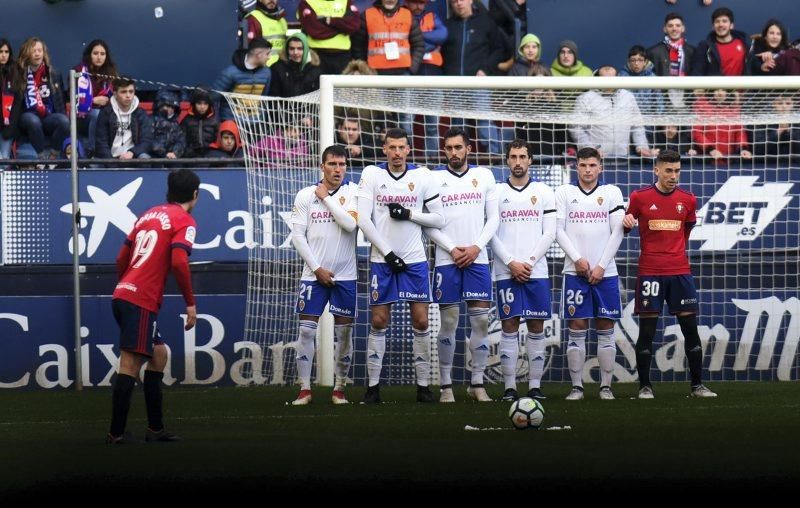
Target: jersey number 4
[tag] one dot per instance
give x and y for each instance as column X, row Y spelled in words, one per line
column 145, row 244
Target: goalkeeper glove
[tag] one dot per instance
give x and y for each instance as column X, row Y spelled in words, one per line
column 398, row 212
column 395, row 263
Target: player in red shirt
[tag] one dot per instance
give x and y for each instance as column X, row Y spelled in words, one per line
column 161, row 240
column 666, row 215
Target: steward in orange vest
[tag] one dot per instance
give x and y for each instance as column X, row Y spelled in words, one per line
column 389, row 39
column 434, row 32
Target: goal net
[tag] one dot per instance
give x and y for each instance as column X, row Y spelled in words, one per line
column 740, row 139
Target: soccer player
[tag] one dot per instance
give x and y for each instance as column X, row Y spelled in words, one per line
column 589, row 230
column 161, row 240
column 462, row 265
column 392, row 198
column 666, row 215
column 324, row 234
column 527, row 229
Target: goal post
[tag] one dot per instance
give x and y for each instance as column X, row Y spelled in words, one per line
column 744, row 250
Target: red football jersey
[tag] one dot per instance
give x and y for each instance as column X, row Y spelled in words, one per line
column 663, row 220
column 154, row 235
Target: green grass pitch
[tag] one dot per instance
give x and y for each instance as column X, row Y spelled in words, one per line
column 249, row 439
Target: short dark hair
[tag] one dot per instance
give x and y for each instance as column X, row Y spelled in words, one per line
column 722, row 11
column 673, row 15
column 518, row 143
column 341, row 121
column 637, row 50
column 181, row 185
column 336, row 151
column 397, row 133
column 453, row 132
column 587, row 152
column 122, row 82
column 669, row 156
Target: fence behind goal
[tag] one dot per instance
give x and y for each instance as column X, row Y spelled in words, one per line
column 744, row 250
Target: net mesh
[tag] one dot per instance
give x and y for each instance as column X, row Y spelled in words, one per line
column 741, row 149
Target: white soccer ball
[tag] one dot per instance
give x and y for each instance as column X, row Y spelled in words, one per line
column 526, row 413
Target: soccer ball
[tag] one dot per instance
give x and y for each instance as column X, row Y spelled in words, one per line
column 526, row 413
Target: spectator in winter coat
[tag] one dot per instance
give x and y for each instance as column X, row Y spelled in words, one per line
column 675, row 138
column 287, row 145
column 721, row 140
column 788, row 62
column 528, row 55
column 648, row 99
column 41, row 103
column 169, row 140
column 767, row 47
column 779, row 139
column 297, row 71
column 360, row 146
column 66, row 154
column 610, row 140
column 672, row 56
column 96, row 61
column 434, row 33
column 124, row 130
column 480, row 52
column 8, row 95
column 474, row 47
column 227, row 145
column 506, row 13
column 247, row 74
column 200, row 125
column 724, row 51
column 545, row 139
column 567, row 63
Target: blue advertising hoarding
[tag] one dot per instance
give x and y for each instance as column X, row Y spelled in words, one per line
column 745, row 337
column 752, row 208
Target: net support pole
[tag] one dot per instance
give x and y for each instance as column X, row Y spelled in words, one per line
column 76, row 219
column 325, row 329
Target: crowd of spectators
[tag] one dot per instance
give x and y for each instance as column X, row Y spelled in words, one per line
column 398, row 37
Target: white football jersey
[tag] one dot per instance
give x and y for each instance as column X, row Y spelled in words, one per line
column 586, row 217
column 464, row 199
column 522, row 212
column 333, row 247
column 412, row 189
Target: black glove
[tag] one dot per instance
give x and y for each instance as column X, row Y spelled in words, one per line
column 398, row 212
column 395, row 263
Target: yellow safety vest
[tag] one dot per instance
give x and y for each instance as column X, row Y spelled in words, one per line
column 329, row 9
column 274, row 31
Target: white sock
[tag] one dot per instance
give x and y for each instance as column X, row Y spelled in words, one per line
column 422, row 355
column 446, row 342
column 305, row 352
column 576, row 355
column 343, row 353
column 606, row 355
column 478, row 342
column 535, row 347
column 376, row 347
column 509, row 353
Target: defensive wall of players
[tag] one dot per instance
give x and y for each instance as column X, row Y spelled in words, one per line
column 754, row 332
